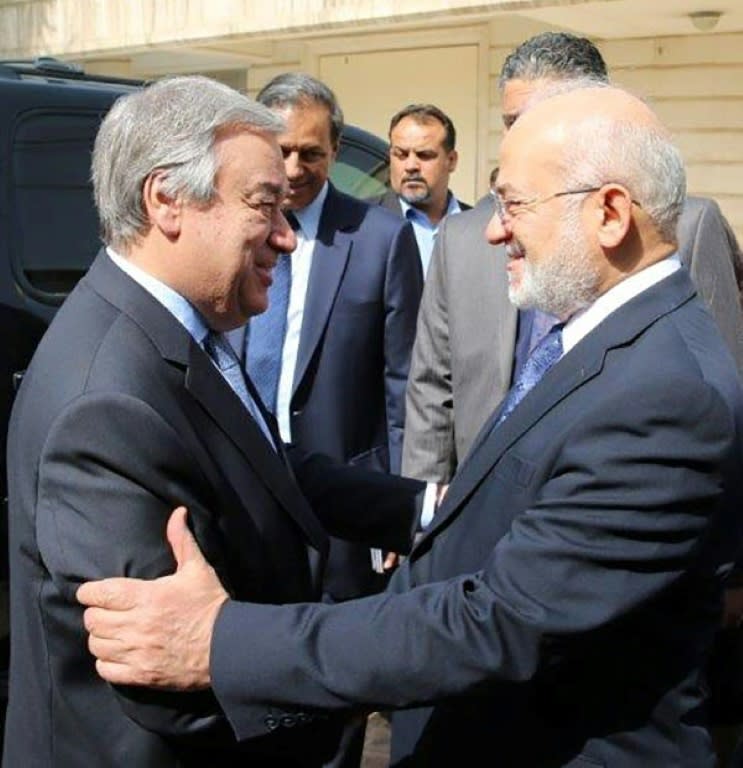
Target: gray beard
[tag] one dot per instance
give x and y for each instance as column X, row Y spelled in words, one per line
column 562, row 284
column 415, row 199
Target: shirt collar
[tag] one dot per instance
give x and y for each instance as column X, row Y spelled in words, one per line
column 309, row 216
column 179, row 307
column 410, row 212
column 584, row 321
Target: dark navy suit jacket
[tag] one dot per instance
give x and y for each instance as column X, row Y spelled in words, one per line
column 122, row 416
column 559, row 610
column 358, row 328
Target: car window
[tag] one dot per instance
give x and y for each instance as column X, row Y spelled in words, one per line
column 55, row 231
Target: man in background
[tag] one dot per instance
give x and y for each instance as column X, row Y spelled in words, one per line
column 471, row 341
column 422, row 157
column 331, row 355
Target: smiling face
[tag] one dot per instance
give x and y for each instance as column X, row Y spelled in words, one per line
column 420, row 165
column 308, row 152
column 552, row 265
column 229, row 246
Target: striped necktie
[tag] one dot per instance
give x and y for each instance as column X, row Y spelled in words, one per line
column 544, row 356
column 224, row 357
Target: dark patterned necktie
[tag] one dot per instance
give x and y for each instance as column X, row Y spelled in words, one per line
column 265, row 334
column 221, row 352
column 544, row 356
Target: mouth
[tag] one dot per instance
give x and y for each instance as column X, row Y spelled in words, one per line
column 514, row 253
column 265, row 273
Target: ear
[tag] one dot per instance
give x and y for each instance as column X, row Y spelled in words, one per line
column 615, row 213
column 453, row 160
column 163, row 211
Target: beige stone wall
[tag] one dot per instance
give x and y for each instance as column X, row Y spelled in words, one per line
column 695, row 81
column 696, row 85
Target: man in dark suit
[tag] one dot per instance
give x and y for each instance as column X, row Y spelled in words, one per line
column 349, row 322
column 130, row 404
column 332, row 359
column 559, row 610
column 423, row 155
column 470, row 339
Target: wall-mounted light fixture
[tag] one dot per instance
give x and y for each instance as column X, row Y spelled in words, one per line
column 705, row 21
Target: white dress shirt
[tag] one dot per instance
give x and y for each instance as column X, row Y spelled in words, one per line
column 309, row 222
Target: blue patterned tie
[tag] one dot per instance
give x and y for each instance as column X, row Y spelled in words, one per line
column 544, row 356
column 224, row 357
column 265, row 333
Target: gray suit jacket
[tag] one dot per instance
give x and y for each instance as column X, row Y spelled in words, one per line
column 464, row 347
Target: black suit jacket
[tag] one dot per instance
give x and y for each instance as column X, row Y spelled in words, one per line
column 358, row 327
column 122, row 416
column 559, row 610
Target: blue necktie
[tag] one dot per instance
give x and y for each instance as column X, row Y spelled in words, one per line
column 265, row 333
column 544, row 356
column 223, row 355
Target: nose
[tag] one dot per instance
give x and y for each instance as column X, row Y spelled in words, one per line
column 282, row 237
column 497, row 230
column 292, row 166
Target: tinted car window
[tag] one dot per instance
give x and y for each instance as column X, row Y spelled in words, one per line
column 55, row 232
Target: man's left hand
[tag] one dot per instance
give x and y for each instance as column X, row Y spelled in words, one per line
column 156, row 633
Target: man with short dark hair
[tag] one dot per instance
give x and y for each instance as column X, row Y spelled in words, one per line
column 422, row 157
column 470, row 340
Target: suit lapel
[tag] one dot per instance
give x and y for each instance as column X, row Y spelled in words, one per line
column 205, row 384
column 578, row 366
column 492, row 442
column 329, row 260
column 210, row 389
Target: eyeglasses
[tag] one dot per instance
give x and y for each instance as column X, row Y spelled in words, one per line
column 512, row 208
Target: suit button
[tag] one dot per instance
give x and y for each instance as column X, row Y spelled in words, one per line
column 288, row 721
column 272, row 723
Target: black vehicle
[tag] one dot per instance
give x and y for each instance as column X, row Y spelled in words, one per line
column 48, row 224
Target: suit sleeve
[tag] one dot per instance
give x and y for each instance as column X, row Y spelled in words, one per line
column 713, row 255
column 429, row 451
column 620, row 522
column 110, row 473
column 337, row 492
column 402, row 293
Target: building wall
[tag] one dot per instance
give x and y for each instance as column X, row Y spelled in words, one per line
column 694, row 81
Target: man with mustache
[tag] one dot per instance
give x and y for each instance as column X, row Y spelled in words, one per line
column 422, row 157
column 471, row 340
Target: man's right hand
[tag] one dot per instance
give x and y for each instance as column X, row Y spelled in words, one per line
column 156, row 633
